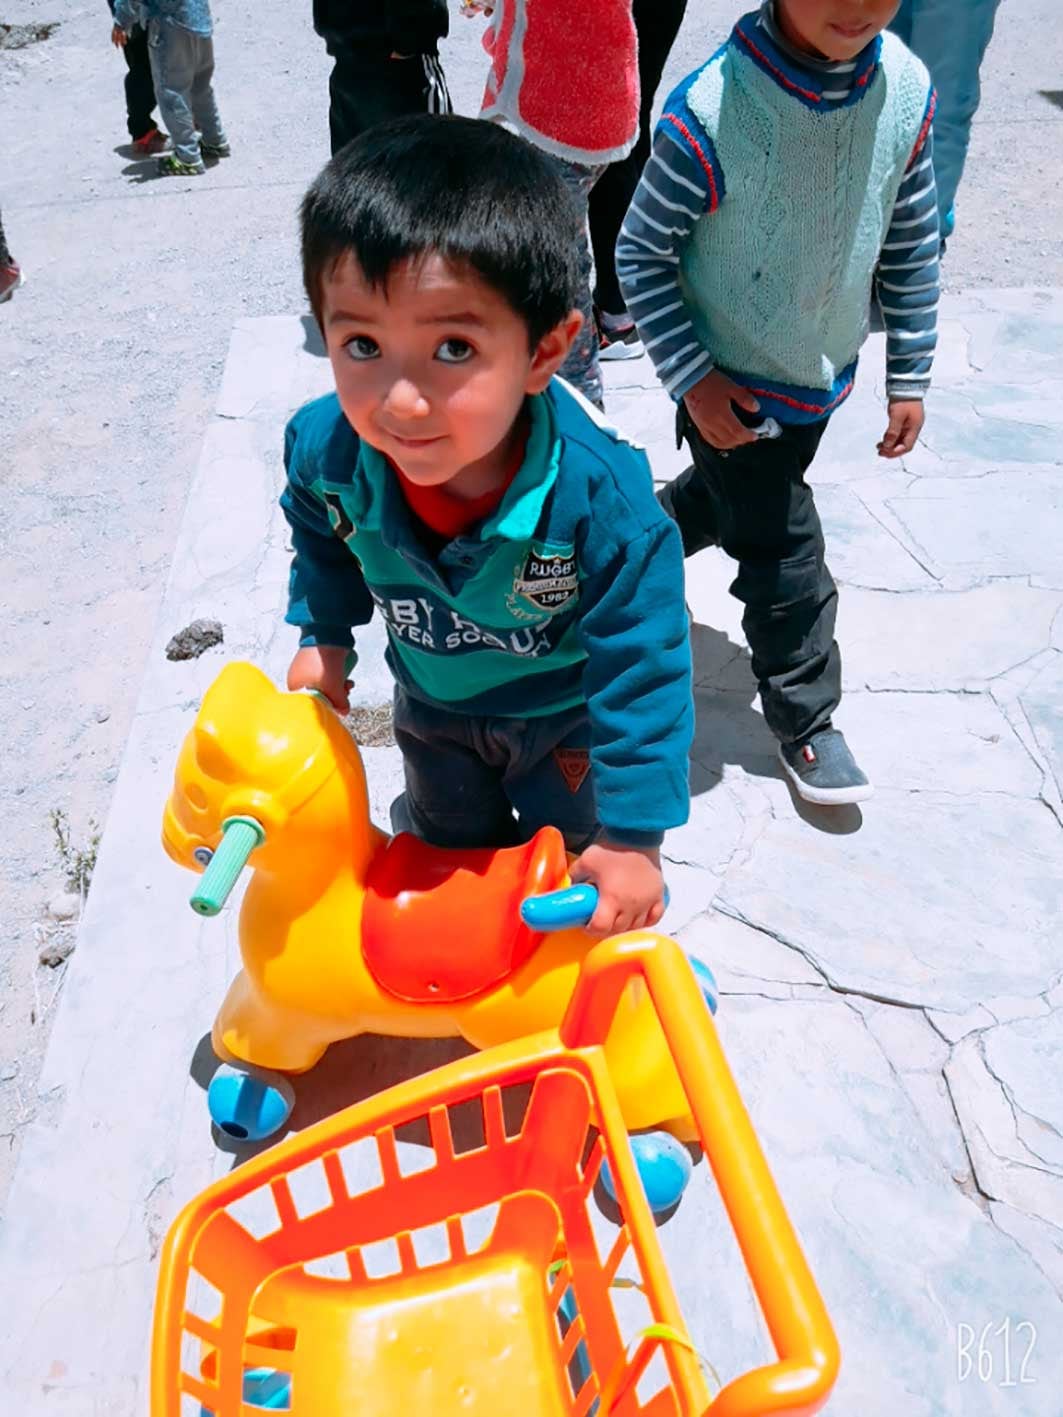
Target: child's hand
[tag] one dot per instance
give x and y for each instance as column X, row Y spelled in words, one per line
column 322, row 667
column 906, row 423
column 709, row 405
column 118, row 37
column 630, row 886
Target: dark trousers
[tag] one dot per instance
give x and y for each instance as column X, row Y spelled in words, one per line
column 369, row 88
column 139, row 86
column 657, row 22
column 755, row 503
column 465, row 776
column 5, row 254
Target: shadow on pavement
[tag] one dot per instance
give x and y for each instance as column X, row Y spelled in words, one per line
column 145, row 169
column 312, row 341
column 729, row 730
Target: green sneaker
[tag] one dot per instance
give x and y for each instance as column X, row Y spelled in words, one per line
column 171, row 166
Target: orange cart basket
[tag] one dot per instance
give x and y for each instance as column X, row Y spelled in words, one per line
column 338, row 1273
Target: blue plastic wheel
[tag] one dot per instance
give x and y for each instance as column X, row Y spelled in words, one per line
column 707, row 983
column 249, row 1104
column 580, row 1362
column 664, row 1168
column 266, row 1388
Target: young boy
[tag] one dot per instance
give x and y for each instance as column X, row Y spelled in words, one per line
column 788, row 176
column 531, row 586
column 181, row 49
column 139, row 89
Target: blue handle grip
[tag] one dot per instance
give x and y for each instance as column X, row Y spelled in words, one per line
column 564, row 909
column 560, row 910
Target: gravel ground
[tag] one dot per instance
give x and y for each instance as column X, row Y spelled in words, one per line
column 110, row 358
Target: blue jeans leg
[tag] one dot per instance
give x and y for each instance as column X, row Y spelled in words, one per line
column 467, row 776
column 951, row 39
column 173, row 52
column 581, row 367
column 204, row 106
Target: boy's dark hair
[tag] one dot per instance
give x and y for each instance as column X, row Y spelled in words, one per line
column 464, row 188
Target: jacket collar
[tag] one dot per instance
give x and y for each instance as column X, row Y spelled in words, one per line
column 375, row 503
column 806, row 81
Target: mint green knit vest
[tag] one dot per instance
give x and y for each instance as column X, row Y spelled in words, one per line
column 778, row 279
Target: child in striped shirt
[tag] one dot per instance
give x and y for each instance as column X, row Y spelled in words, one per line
column 789, row 176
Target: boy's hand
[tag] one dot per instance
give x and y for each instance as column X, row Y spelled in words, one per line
column 118, row 37
column 322, row 667
column 709, row 405
column 630, row 886
column 905, row 425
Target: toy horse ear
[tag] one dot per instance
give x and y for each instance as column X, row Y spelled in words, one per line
column 213, row 759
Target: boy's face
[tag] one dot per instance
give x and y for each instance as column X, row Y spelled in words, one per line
column 835, row 29
column 432, row 368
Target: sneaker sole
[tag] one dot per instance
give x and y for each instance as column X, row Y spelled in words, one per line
column 826, row 796
column 621, row 351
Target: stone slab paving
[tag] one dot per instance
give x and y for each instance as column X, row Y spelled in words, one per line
column 892, row 977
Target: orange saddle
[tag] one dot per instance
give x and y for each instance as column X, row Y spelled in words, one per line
column 440, row 925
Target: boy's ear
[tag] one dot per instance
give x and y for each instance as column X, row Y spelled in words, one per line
column 551, row 351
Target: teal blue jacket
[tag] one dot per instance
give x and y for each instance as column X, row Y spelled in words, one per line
column 570, row 592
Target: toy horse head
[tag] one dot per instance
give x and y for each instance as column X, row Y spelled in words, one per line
column 268, row 775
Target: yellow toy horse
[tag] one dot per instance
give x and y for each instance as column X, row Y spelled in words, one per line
column 344, row 930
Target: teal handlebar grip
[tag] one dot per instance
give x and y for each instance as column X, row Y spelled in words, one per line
column 240, row 836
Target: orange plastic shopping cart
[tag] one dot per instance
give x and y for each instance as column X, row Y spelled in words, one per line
column 327, row 1277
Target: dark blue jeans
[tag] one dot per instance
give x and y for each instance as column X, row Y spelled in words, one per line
column 466, row 777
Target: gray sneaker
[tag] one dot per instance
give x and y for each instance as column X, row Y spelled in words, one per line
column 824, row 771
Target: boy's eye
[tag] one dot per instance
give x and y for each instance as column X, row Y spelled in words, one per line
column 454, row 351
column 362, row 347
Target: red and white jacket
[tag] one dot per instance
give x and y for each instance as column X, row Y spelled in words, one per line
column 564, row 74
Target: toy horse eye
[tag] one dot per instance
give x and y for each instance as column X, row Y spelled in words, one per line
column 203, row 855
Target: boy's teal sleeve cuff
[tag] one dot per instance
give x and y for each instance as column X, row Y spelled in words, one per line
column 624, row 836
column 335, row 636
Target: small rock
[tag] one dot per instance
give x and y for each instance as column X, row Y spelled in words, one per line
column 195, row 639
column 8, row 1072
column 102, row 715
column 64, row 906
column 27, row 704
column 110, row 775
column 57, row 949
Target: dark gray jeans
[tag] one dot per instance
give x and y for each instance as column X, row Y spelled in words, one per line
column 465, row 776
column 182, row 65
column 581, row 367
column 755, row 503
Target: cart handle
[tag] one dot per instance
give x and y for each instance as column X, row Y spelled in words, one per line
column 808, row 1357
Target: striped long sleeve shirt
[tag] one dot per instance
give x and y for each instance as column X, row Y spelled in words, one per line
column 676, row 191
